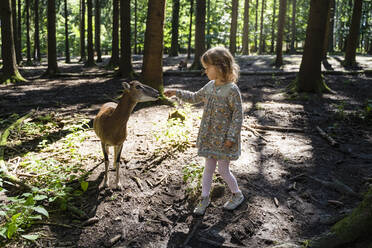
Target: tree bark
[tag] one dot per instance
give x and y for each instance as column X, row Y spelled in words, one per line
column 233, row 26
column 326, row 35
column 352, row 41
column 256, row 28
column 279, row 37
column 293, row 28
column 97, row 25
column 52, row 43
column 36, row 33
column 10, row 71
column 261, row 45
column 90, row 61
column 331, row 27
column 67, row 49
column 209, row 40
column 152, row 68
column 82, row 31
column 273, row 28
column 309, row 77
column 114, row 60
column 246, row 28
column 190, row 29
column 14, row 22
column 19, row 34
column 28, row 41
column 199, row 34
column 135, row 27
column 126, row 69
column 175, row 25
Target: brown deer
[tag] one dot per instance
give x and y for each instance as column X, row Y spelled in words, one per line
column 110, row 124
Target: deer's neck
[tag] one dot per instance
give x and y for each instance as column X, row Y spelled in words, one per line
column 124, row 109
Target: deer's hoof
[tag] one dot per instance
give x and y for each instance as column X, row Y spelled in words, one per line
column 118, row 186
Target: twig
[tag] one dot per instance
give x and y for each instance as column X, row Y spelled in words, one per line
column 32, row 175
column 138, row 182
column 161, row 180
column 326, row 136
column 254, row 132
column 278, row 128
column 56, row 224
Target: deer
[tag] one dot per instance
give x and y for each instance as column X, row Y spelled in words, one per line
column 110, row 124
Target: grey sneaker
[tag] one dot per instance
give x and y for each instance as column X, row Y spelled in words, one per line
column 202, row 206
column 234, row 202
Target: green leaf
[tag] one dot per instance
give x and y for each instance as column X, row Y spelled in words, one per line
column 41, row 210
column 2, row 213
column 40, row 197
column 12, row 228
column 3, row 232
column 31, row 237
column 15, row 217
column 36, row 217
column 84, row 185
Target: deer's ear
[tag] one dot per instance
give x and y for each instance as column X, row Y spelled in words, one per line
column 126, row 86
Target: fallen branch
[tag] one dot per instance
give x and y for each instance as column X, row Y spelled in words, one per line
column 254, row 132
column 326, row 136
column 3, row 140
column 336, row 185
column 138, row 182
column 279, row 129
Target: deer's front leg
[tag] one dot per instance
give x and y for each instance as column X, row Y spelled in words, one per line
column 105, row 151
column 117, row 154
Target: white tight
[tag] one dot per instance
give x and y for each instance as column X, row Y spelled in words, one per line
column 223, row 169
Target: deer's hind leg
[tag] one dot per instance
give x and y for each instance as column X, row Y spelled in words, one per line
column 105, row 151
column 117, row 154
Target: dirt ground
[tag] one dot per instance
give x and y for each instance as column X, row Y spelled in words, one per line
column 281, row 173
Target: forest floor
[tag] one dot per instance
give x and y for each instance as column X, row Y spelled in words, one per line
column 289, row 177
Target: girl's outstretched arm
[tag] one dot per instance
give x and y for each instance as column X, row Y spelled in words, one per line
column 188, row 96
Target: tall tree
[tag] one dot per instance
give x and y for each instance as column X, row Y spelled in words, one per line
column 97, row 30
column 261, row 45
column 190, row 29
column 175, row 25
column 233, row 26
column 293, row 28
column 273, row 28
column 352, row 40
column 326, row 36
column 52, row 43
column 199, row 34
column 332, row 25
column 135, row 26
column 246, row 28
column 256, row 28
column 152, row 67
column 82, row 31
column 209, row 40
column 9, row 70
column 126, row 68
column 279, row 36
column 14, row 22
column 37, row 53
column 90, row 61
column 19, row 34
column 309, row 77
column 114, row 60
column 28, row 41
column 67, row 49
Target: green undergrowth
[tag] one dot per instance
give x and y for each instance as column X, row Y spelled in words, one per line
column 53, row 166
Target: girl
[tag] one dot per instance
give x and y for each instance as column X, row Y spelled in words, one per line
column 219, row 134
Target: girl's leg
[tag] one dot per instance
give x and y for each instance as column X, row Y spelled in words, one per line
column 224, row 170
column 210, row 166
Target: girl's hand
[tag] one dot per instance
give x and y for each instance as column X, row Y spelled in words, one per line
column 228, row 144
column 169, row 93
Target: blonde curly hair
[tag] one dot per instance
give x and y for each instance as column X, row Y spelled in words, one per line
column 221, row 58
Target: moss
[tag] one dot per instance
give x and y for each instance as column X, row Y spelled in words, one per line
column 12, row 79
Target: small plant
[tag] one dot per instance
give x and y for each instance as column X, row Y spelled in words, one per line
column 192, row 176
column 340, row 110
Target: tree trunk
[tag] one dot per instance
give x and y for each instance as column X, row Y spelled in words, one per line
column 279, row 38
column 331, row 27
column 355, row 228
column 82, row 31
column 175, row 24
column 10, row 71
column 152, row 68
column 190, row 29
column 135, row 27
column 233, row 26
column 19, row 34
column 14, row 22
column 209, row 24
column 199, row 34
column 353, row 36
column 52, row 43
column 293, row 38
column 256, row 28
column 273, row 29
column 126, row 69
column 67, row 50
column 246, row 28
column 90, row 61
column 326, row 35
column 309, row 77
column 36, row 33
column 114, row 60
column 97, row 25
column 261, row 45
column 28, row 41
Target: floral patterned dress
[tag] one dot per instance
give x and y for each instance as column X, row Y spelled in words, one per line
column 222, row 119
